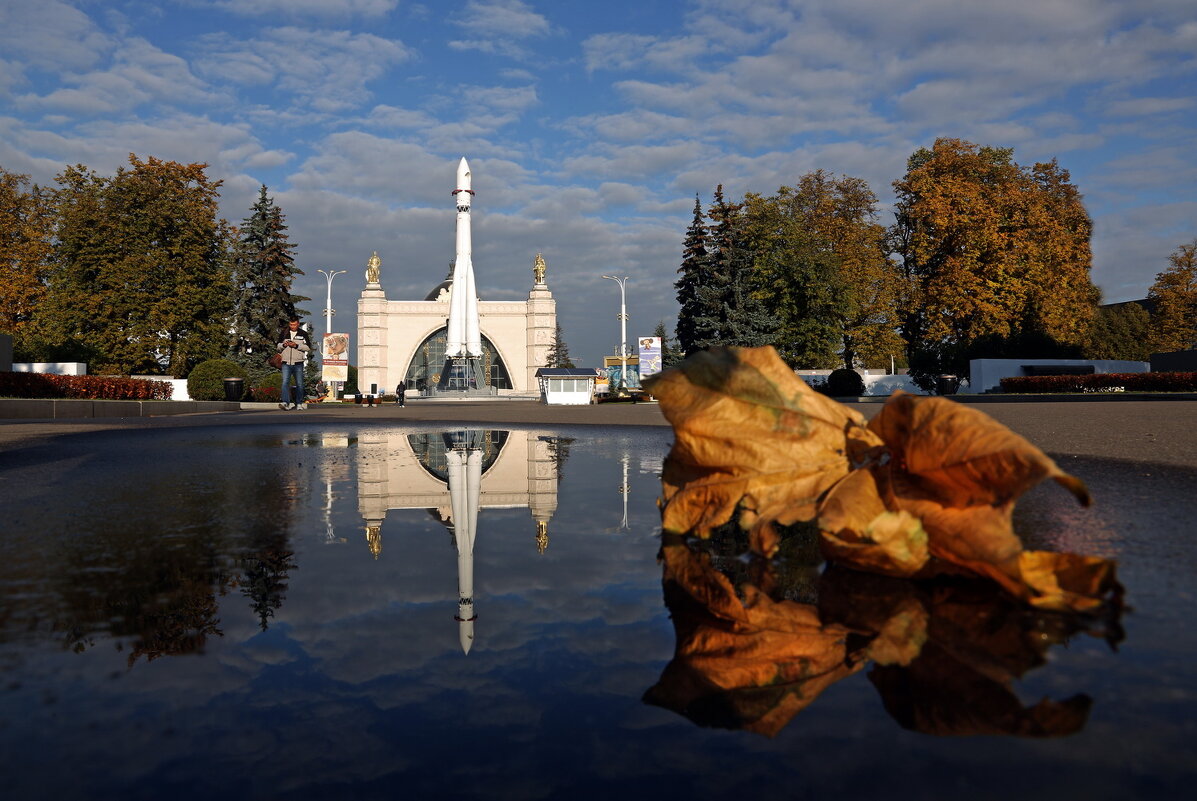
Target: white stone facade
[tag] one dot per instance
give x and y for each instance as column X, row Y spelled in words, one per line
column 390, row 332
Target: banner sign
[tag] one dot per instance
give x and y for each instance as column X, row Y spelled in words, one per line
column 650, row 356
column 335, row 357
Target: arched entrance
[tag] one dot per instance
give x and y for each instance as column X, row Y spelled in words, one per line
column 424, row 371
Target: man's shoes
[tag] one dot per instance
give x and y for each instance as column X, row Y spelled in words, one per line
column 302, row 406
column 284, row 406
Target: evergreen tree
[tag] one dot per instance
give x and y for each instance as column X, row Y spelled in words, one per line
column 558, row 355
column 731, row 307
column 692, row 275
column 669, row 351
column 263, row 270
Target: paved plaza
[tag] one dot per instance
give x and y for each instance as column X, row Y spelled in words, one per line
column 1149, row 431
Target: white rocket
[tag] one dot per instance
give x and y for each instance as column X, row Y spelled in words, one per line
column 463, row 338
column 465, row 484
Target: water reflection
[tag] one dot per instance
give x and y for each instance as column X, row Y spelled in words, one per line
column 945, row 652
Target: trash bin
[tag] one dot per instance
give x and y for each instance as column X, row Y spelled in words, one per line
column 234, row 388
column 947, row 385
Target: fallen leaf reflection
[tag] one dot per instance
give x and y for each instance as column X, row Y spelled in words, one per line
column 944, row 652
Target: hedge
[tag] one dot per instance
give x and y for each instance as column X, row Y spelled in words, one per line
column 88, row 387
column 1103, row 382
column 206, row 382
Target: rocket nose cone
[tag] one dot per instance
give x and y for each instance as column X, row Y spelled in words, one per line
column 463, row 173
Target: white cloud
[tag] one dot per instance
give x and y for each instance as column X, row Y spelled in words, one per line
column 324, row 8
column 325, row 70
column 50, row 35
column 498, row 27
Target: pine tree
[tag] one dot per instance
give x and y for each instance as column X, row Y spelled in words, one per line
column 558, row 355
column 731, row 307
column 669, row 352
column 263, row 270
column 693, row 273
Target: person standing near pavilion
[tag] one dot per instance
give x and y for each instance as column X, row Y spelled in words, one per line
column 400, row 393
column 294, row 348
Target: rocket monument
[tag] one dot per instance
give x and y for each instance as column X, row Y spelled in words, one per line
column 463, row 343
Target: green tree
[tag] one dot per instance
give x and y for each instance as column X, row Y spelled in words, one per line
column 692, row 275
column 262, row 274
column 670, row 354
column 1174, row 292
column 1120, row 331
column 991, row 251
column 141, row 279
column 558, row 355
column 733, row 311
column 821, row 256
column 26, row 247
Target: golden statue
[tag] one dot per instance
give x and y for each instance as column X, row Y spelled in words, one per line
column 542, row 535
column 373, row 266
column 538, row 268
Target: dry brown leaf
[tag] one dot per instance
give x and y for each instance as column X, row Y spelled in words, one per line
column 960, row 472
column 751, row 435
column 859, row 532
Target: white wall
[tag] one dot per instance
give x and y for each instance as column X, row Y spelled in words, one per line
column 875, row 385
column 986, row 374
column 53, row 368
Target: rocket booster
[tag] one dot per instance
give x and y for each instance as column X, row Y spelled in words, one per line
column 463, row 338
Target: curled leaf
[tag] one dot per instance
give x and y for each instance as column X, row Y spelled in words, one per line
column 750, row 435
column 858, row 531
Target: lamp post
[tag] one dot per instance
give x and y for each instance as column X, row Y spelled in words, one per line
column 329, row 275
column 623, row 332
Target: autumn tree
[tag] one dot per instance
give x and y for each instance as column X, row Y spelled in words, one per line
column 141, row 278
column 1174, row 292
column 558, row 355
column 262, row 273
column 26, row 247
column 990, row 249
column 821, row 258
column 1120, row 331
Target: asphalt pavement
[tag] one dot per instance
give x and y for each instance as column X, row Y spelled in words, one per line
column 1149, row 431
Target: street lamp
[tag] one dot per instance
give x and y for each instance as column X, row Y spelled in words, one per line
column 328, row 309
column 328, row 315
column 623, row 332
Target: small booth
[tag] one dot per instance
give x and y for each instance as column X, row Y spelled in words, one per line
column 567, row 386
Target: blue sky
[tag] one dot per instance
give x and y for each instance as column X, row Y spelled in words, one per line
column 590, row 126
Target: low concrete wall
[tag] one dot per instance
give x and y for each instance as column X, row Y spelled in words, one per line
column 987, row 374
column 73, row 409
column 52, row 368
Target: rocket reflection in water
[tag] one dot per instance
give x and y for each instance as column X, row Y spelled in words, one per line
column 463, row 457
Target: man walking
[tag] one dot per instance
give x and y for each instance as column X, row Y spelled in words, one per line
column 294, row 349
column 400, row 392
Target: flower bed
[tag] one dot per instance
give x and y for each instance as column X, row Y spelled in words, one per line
column 1103, row 382
column 88, row 387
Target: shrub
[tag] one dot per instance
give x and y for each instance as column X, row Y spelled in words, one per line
column 89, row 387
column 265, row 394
column 845, row 383
column 1099, row 382
column 206, row 381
